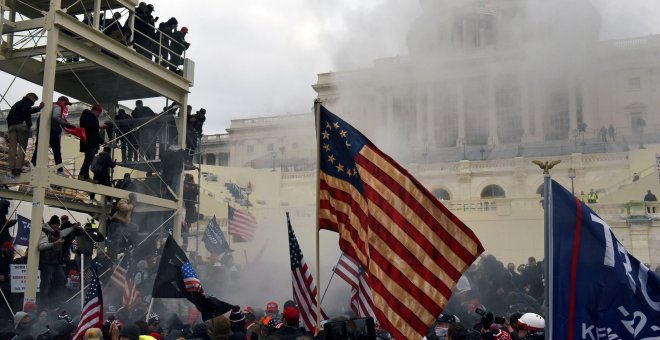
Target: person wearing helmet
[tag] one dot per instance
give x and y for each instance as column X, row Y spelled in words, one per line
column 439, row 330
column 531, row 326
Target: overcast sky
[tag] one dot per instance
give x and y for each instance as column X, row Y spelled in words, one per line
column 260, row 57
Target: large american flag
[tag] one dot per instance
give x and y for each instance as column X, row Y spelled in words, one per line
column 304, row 287
column 124, row 278
column 241, row 224
column 412, row 247
column 92, row 312
column 350, row 271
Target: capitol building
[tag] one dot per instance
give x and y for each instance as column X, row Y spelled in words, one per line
column 487, row 87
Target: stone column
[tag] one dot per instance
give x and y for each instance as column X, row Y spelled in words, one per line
column 461, row 114
column 525, row 108
column 539, row 105
column 420, row 115
column 572, row 106
column 430, row 118
column 492, row 112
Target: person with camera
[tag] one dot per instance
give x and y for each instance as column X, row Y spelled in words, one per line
column 50, row 262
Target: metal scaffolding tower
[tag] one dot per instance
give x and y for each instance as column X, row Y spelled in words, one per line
column 104, row 72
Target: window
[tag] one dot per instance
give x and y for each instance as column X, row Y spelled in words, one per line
column 250, row 148
column 270, row 147
column 493, row 191
column 634, row 83
column 441, row 194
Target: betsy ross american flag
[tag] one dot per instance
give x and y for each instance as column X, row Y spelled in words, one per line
column 411, row 246
column 190, row 278
column 304, row 287
column 350, row 271
column 241, row 224
column 92, row 313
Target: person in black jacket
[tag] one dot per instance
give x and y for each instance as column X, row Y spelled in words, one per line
column 172, row 166
column 146, row 134
column 178, row 45
column 102, row 171
column 19, row 121
column 89, row 120
column 166, row 30
column 128, row 139
column 57, row 124
column 5, row 224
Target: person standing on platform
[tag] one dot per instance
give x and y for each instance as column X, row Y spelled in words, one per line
column 19, row 122
column 50, row 263
column 650, row 197
column 58, row 122
column 89, row 120
column 146, row 134
column 178, row 45
column 128, row 140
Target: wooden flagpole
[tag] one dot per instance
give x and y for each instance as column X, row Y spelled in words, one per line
column 317, row 115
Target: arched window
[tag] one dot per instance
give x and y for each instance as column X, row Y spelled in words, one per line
column 441, row 194
column 539, row 191
column 493, row 191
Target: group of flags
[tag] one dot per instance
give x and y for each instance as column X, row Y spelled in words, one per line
column 404, row 252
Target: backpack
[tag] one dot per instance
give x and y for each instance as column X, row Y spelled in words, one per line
column 96, row 165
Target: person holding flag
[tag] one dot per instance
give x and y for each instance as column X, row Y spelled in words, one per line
column 176, row 278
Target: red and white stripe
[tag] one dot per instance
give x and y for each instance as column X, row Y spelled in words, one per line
column 192, row 284
column 361, row 302
column 349, row 270
column 91, row 317
column 304, row 294
column 131, row 294
column 242, row 224
column 413, row 248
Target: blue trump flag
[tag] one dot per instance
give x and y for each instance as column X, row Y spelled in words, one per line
column 214, row 239
column 23, row 232
column 599, row 290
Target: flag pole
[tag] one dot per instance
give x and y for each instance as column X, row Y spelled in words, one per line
column 228, row 226
column 82, row 281
column 331, row 276
column 317, row 116
column 151, row 305
column 547, row 244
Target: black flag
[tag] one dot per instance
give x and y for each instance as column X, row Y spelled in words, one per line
column 169, row 280
column 169, row 283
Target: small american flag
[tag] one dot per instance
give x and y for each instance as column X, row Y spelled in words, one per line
column 92, row 313
column 361, row 300
column 304, row 287
column 124, row 278
column 241, row 224
column 190, row 279
column 118, row 277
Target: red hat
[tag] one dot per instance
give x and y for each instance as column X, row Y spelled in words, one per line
column 271, row 307
column 291, row 315
column 247, row 309
column 64, row 217
column 97, row 108
column 8, row 245
column 156, row 336
column 184, row 29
